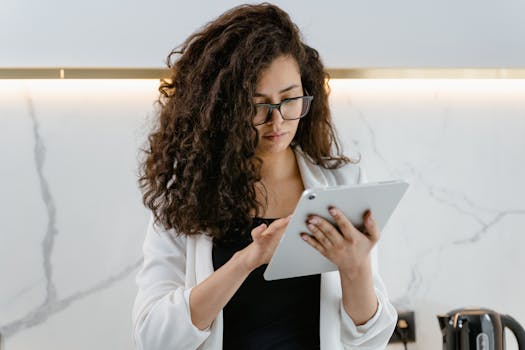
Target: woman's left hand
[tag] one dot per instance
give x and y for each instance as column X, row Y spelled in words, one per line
column 347, row 247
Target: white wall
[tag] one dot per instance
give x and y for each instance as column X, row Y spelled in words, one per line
column 439, row 33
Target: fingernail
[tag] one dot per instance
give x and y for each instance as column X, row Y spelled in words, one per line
column 303, row 237
column 332, row 211
column 311, row 227
column 312, row 220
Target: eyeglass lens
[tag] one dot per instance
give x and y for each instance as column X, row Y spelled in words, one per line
column 294, row 108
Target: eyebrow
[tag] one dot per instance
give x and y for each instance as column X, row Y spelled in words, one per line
column 258, row 94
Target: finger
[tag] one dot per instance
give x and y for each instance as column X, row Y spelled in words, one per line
column 331, row 232
column 277, row 225
column 371, row 227
column 313, row 242
column 280, row 223
column 256, row 232
column 345, row 226
column 319, row 235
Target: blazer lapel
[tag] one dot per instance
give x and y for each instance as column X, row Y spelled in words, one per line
column 312, row 175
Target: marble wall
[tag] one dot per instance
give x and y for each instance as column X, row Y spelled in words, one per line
column 73, row 222
column 456, row 239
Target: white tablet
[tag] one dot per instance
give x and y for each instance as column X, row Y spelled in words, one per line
column 294, row 257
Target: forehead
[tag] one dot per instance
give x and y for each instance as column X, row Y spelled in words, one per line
column 280, row 74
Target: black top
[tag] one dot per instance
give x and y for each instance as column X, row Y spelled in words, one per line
column 281, row 314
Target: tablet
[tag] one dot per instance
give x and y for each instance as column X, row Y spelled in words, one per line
column 294, row 257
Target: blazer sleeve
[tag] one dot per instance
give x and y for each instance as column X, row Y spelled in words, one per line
column 376, row 332
column 161, row 312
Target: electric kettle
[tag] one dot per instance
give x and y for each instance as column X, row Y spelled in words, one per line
column 478, row 329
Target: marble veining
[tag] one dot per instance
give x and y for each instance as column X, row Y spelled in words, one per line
column 47, row 198
column 44, row 311
column 463, row 205
column 51, row 304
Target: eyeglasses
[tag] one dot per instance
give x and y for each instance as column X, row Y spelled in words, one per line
column 290, row 109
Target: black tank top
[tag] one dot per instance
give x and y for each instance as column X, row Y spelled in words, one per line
column 282, row 314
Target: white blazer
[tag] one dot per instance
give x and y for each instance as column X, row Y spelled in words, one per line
column 173, row 265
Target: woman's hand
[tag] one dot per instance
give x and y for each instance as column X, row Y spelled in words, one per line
column 345, row 246
column 265, row 241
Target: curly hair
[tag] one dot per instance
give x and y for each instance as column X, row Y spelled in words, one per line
column 200, row 168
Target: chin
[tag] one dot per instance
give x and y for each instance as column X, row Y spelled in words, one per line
column 268, row 147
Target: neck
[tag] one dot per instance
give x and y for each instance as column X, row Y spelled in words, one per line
column 278, row 166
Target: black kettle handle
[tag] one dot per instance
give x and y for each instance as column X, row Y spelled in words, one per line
column 516, row 328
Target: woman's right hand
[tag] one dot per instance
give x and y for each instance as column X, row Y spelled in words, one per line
column 265, row 241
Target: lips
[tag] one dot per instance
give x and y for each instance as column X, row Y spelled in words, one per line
column 275, row 134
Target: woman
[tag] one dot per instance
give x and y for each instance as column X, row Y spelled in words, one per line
column 244, row 128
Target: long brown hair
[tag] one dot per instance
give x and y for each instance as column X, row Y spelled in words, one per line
column 200, row 168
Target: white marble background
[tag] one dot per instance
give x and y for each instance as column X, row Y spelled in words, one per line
column 456, row 239
column 73, row 222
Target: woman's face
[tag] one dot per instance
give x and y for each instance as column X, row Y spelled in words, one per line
column 279, row 81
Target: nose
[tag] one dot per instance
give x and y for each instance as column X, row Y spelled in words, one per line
column 275, row 117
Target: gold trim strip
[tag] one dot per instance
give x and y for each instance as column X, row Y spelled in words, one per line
column 83, row 73
column 335, row 73
column 427, row 73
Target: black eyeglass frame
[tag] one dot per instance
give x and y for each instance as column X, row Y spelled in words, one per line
column 272, row 106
